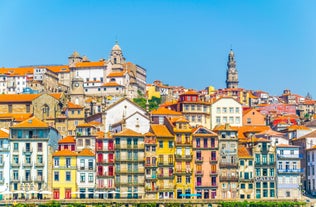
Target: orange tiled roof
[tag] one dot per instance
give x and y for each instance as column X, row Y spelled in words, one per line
column 165, row 111
column 56, row 95
column 160, row 130
column 85, row 125
column 225, row 128
column 16, row 117
column 3, row 134
column 149, row 134
column 14, row 98
column 68, row 139
column 179, row 119
column 169, row 103
column 116, row 74
column 32, row 122
column 297, row 127
column 65, row 152
column 190, row 92
column 128, row 133
column 111, row 84
column 86, row 152
column 74, row 106
column 17, row 71
column 58, row 68
column 251, row 129
column 252, row 96
column 243, row 152
column 90, row 64
column 309, row 102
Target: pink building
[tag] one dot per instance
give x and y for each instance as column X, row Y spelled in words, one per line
column 205, row 154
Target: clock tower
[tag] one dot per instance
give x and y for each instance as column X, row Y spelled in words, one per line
column 232, row 73
column 77, row 91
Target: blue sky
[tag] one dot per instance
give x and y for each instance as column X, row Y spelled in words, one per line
column 179, row 42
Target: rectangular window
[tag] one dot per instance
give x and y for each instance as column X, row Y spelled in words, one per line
column 56, row 176
column 82, row 177
column 160, row 144
column 170, row 144
column 68, row 163
column 231, row 110
column 56, row 161
column 90, row 177
column 68, row 176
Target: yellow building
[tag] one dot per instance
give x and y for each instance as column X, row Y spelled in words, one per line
column 165, row 155
column 184, row 180
column 64, row 174
column 152, row 90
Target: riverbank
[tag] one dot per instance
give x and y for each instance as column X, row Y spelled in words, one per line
column 151, row 203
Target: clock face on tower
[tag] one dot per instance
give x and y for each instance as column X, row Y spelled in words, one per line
column 76, row 84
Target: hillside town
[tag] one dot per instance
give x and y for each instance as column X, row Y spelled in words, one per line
column 79, row 131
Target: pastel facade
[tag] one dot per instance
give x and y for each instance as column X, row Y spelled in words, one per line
column 288, row 172
column 246, row 173
column 64, row 175
column 205, row 156
column 4, row 162
column 31, row 142
column 226, row 110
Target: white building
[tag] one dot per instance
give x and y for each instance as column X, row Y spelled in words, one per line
column 125, row 112
column 4, row 161
column 289, row 172
column 226, row 110
column 31, row 142
column 86, row 173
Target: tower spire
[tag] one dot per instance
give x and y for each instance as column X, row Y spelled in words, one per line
column 232, row 73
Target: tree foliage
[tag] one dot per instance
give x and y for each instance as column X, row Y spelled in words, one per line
column 153, row 103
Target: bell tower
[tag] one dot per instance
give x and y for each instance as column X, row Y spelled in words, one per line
column 117, row 59
column 232, row 73
column 77, row 94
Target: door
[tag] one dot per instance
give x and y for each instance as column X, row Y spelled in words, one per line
column 67, row 193
column 56, row 194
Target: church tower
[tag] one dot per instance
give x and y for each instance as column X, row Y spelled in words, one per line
column 77, row 94
column 232, row 73
column 117, row 59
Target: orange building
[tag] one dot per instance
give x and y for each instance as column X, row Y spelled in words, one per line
column 253, row 117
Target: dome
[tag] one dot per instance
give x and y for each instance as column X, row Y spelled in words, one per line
column 116, row 47
column 75, row 54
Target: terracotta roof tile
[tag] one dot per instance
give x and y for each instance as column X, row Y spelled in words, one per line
column 297, row 127
column 160, row 130
column 116, row 74
column 128, row 133
column 74, row 106
column 86, row 152
column 179, row 119
column 225, row 128
column 243, row 152
column 84, row 125
column 16, row 117
column 165, row 111
column 112, row 84
column 65, row 152
column 32, row 122
column 149, row 134
column 90, row 64
column 68, row 139
column 3, row 134
column 14, row 98
column 57, row 68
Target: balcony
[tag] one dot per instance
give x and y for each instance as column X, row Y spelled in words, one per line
column 166, row 176
column 290, row 171
column 184, row 157
column 40, row 164
column 199, row 160
column 213, row 173
column 183, row 171
column 223, row 178
column 150, row 165
column 289, row 156
column 27, row 179
column 150, row 142
column 228, row 165
column 14, row 179
column 151, row 177
column 4, row 149
column 28, row 150
column 183, row 144
column 199, row 173
column 27, row 164
column 86, row 169
column 272, row 163
column 213, row 160
column 105, row 175
column 15, row 164
column 167, row 187
column 165, row 164
column 39, row 179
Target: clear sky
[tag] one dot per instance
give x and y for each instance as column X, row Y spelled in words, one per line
column 179, row 42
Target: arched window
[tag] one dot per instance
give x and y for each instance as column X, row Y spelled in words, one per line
column 45, row 109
